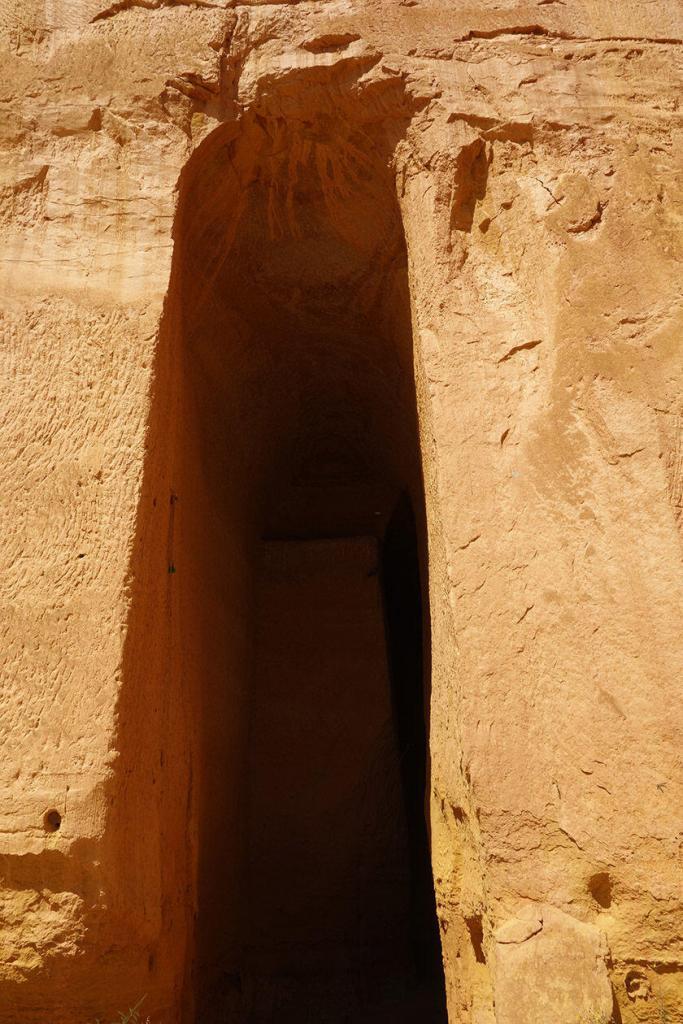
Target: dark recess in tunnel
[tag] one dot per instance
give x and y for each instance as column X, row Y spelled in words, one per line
column 301, row 585
column 407, row 622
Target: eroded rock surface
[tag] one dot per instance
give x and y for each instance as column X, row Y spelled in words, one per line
column 178, row 181
column 551, row 966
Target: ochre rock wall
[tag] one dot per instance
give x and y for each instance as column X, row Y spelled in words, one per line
column 535, row 154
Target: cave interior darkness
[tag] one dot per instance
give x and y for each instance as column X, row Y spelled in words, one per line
column 303, row 594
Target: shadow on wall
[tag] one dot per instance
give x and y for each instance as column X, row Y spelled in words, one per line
column 107, row 920
column 274, row 677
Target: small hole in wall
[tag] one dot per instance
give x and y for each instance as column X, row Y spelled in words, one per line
column 600, row 888
column 52, row 820
column 637, row 985
column 476, row 930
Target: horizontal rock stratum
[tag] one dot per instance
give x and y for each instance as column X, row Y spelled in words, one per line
column 342, row 492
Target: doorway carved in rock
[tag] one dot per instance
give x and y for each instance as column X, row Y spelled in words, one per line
column 301, row 583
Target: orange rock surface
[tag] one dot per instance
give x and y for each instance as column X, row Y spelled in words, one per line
column 265, row 268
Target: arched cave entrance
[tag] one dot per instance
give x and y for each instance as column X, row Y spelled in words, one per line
column 298, row 551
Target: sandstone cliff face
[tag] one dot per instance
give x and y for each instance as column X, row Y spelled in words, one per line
column 179, row 180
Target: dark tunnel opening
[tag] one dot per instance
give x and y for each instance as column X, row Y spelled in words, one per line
column 302, row 594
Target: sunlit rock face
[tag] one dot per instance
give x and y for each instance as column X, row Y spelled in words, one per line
column 342, row 478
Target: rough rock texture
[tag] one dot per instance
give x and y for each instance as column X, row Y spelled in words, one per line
column 179, row 181
column 551, row 967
